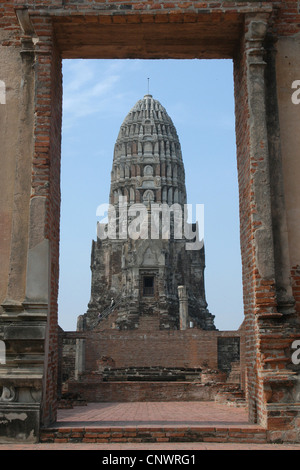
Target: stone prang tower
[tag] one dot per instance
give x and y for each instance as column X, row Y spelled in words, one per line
column 139, row 267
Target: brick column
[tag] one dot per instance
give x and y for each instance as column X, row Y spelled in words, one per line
column 30, row 319
column 24, row 334
column 271, row 381
column 41, row 298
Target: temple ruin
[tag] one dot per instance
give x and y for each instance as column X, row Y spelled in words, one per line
column 262, row 39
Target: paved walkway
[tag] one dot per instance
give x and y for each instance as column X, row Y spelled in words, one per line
column 154, row 414
column 171, row 447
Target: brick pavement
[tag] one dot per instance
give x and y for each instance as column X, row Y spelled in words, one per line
column 154, row 413
column 176, row 414
column 156, row 447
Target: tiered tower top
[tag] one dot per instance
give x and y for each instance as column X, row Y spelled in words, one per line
column 147, row 164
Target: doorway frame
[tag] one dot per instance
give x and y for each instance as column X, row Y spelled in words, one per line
column 240, row 33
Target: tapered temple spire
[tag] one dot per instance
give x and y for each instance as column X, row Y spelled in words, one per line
column 142, row 273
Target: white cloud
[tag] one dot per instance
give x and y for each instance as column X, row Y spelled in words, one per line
column 86, row 91
column 78, row 72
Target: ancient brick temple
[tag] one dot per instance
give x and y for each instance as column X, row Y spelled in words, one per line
column 140, row 273
column 147, row 326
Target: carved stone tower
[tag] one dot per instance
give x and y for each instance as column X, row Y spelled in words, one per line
column 139, row 266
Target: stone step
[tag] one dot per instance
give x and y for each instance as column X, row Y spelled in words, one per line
column 145, row 378
column 145, row 369
column 150, row 374
column 135, row 434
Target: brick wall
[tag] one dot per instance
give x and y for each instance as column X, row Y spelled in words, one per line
column 66, row 358
column 139, row 391
column 295, row 274
column 172, row 350
column 149, row 348
column 228, row 351
column 286, row 17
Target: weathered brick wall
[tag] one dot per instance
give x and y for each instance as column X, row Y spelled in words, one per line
column 246, row 230
column 66, row 358
column 287, row 14
column 228, row 352
column 150, row 348
column 295, row 274
column 139, row 391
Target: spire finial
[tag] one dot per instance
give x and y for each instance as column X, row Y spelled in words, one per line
column 148, row 85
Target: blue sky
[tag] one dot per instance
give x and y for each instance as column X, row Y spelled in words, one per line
column 198, row 96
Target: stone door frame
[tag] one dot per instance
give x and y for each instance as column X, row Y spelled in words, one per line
column 30, row 315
